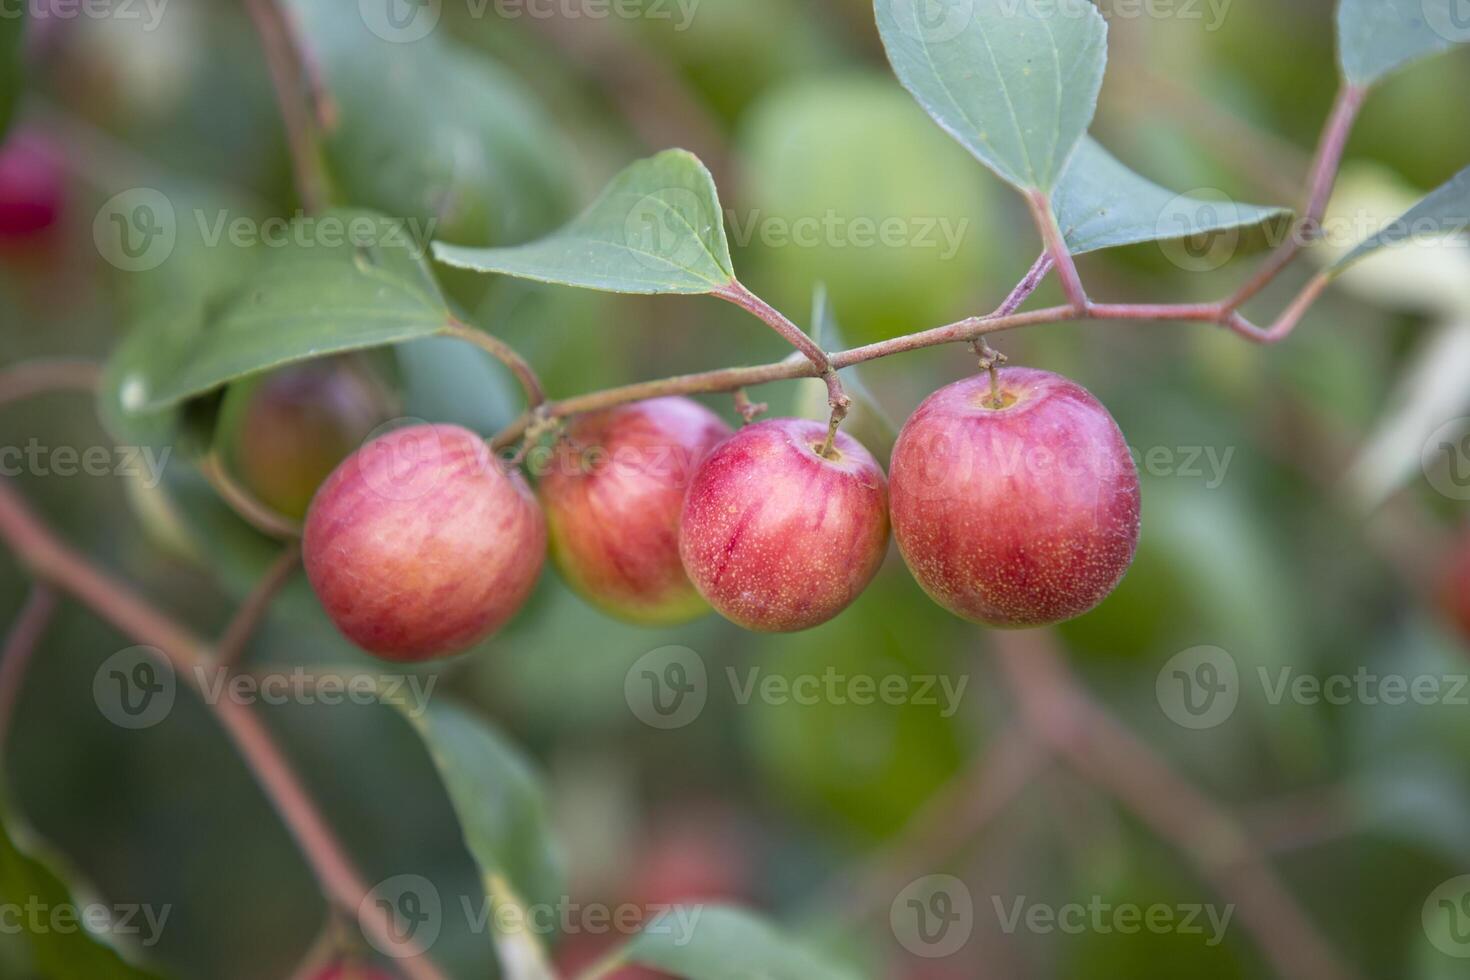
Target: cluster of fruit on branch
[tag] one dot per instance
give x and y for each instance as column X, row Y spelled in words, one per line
column 1012, row 494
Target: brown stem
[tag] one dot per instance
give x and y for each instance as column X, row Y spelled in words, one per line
column 747, row 409
column 1028, row 285
column 1082, row 733
column 1056, row 249
column 968, row 329
column 53, row 562
column 20, row 646
column 1325, row 165
column 250, row 614
column 37, row 377
column 737, row 293
column 296, row 86
column 505, row 354
column 242, row 502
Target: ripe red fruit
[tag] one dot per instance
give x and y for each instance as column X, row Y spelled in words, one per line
column 283, row 432
column 32, row 187
column 777, row 537
column 1020, row 515
column 613, row 495
column 421, row 543
column 1454, row 587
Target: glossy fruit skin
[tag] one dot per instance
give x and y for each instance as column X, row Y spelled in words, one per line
column 421, row 543
column 776, row 537
column 285, row 431
column 1015, row 517
column 612, row 494
column 32, row 188
column 1454, row 587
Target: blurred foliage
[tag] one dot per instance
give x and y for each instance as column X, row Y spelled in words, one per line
column 497, row 128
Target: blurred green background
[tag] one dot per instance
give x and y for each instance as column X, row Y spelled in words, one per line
column 1262, row 533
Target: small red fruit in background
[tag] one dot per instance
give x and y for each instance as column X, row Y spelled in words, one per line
column 1454, row 586
column 421, row 543
column 283, row 432
column 777, row 537
column 32, row 186
column 1017, row 514
column 612, row 496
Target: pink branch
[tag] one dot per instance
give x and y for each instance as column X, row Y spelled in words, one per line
column 1082, row 732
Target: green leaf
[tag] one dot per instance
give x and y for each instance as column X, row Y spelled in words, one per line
column 66, row 954
column 346, row 280
column 12, row 53
column 1016, row 83
column 429, row 132
column 1445, row 212
column 498, row 801
column 1377, row 37
column 167, row 301
column 657, row 228
column 1100, row 203
column 714, row 942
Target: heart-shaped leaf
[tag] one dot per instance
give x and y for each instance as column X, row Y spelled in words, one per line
column 657, row 228
column 1443, row 213
column 498, row 801
column 716, row 942
column 423, row 130
column 343, row 281
column 1100, row 203
column 26, row 881
column 1015, row 82
column 1377, row 37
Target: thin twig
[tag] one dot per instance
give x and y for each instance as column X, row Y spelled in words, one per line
column 30, row 378
column 1325, row 166
column 248, row 617
column 243, row 502
column 1029, row 283
column 505, row 354
column 1082, row 732
column 20, row 645
column 296, row 91
column 820, row 360
column 52, row 561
